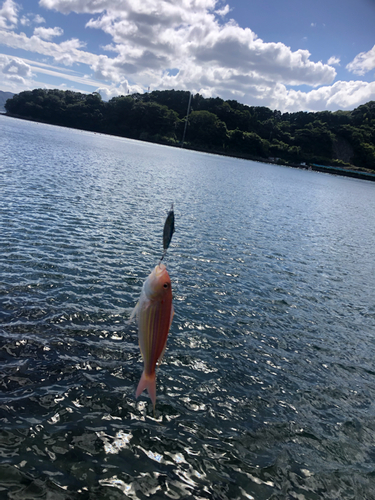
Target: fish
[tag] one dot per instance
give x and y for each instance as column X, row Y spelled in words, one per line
column 154, row 313
column 168, row 231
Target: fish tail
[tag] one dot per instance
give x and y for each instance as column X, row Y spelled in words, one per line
column 147, row 382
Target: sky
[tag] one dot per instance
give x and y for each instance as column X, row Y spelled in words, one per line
column 289, row 55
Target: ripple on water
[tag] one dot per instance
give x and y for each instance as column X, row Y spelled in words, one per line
column 267, row 387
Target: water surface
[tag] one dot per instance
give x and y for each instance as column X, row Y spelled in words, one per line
column 267, row 387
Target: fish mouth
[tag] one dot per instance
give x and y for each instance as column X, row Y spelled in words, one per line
column 159, row 270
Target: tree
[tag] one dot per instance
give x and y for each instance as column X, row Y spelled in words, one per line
column 118, row 116
column 150, row 118
column 206, row 129
column 248, row 143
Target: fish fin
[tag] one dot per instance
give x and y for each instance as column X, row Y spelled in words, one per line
column 165, row 346
column 162, row 354
column 147, row 382
column 140, row 348
column 134, row 313
column 172, row 314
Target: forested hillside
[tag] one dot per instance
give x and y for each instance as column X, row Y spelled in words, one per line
column 228, row 127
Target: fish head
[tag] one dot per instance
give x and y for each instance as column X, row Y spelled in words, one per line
column 158, row 284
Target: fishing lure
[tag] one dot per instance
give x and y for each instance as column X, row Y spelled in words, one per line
column 168, row 231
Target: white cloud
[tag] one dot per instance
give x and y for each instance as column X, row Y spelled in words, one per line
column 15, row 66
column 67, row 52
column 48, row 33
column 29, row 19
column 341, row 95
column 62, row 74
column 147, row 6
column 123, row 88
column 15, row 73
column 224, row 11
column 363, row 62
column 79, row 6
column 241, row 50
column 152, row 37
column 334, row 61
column 39, row 19
column 25, row 21
column 8, row 15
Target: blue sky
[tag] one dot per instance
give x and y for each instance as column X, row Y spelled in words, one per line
column 289, row 55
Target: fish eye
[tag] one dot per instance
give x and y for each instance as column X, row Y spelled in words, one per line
column 166, row 285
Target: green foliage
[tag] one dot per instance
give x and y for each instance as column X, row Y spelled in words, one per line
column 248, row 143
column 67, row 108
column 341, row 138
column 315, row 140
column 177, row 100
column 206, row 129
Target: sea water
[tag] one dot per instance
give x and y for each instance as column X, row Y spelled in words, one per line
column 267, row 387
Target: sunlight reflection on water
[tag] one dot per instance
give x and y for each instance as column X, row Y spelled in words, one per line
column 121, row 441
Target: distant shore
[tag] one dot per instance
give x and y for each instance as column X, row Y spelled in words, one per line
column 341, row 171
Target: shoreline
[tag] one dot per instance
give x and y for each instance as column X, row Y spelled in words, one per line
column 340, row 171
